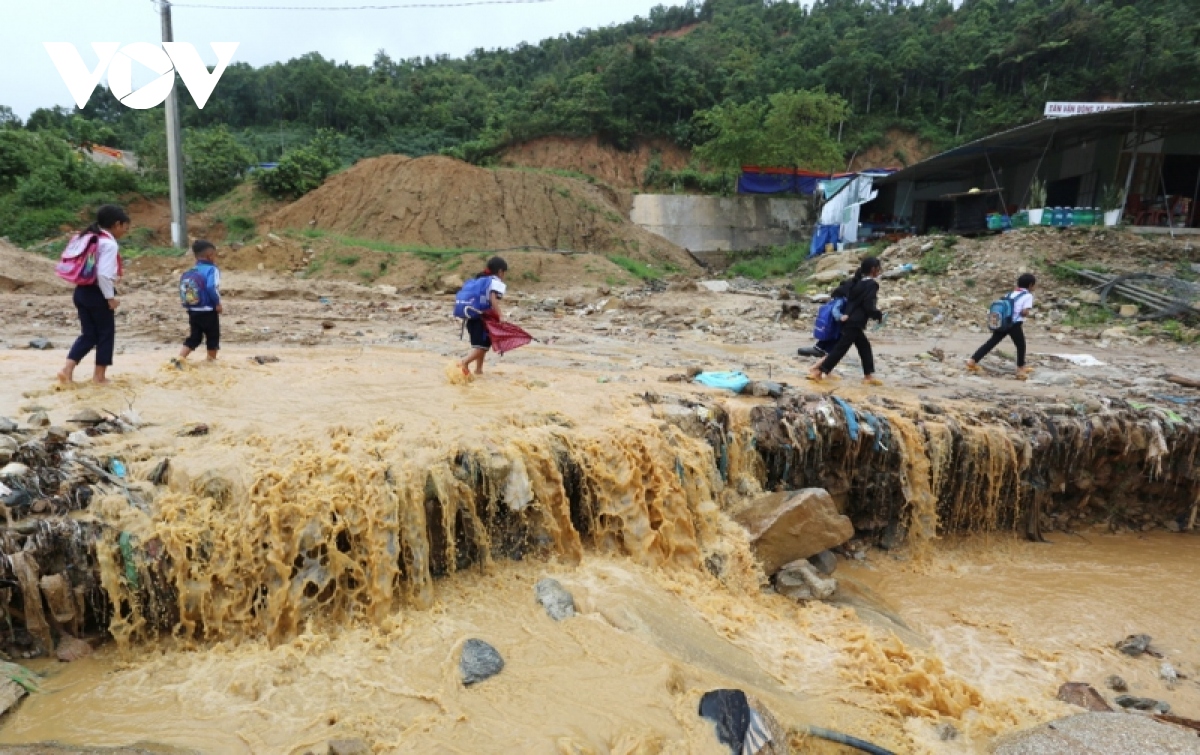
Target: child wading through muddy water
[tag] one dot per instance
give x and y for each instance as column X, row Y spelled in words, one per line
column 200, row 292
column 478, row 299
column 861, row 296
column 92, row 260
column 1009, row 324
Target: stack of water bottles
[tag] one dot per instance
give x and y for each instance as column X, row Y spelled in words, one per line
column 1067, row 217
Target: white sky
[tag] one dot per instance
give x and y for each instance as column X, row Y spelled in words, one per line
column 29, row 80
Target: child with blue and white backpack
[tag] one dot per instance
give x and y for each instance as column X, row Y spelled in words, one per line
column 1006, row 319
column 200, row 294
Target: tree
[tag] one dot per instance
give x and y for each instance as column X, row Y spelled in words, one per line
column 8, row 119
column 216, row 162
column 787, row 130
column 304, row 169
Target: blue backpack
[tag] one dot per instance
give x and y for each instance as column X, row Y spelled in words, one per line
column 828, row 326
column 474, row 298
column 194, row 290
column 1001, row 313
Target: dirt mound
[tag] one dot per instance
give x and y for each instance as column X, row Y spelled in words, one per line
column 441, row 203
column 616, row 167
column 27, row 273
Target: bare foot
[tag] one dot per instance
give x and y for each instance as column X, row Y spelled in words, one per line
column 871, row 380
column 815, row 375
column 65, row 377
column 973, row 366
column 101, row 381
column 465, row 370
column 478, row 372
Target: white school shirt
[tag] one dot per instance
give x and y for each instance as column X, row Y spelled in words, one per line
column 1020, row 304
column 107, row 269
column 498, row 286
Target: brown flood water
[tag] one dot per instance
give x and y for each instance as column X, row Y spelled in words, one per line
column 979, row 635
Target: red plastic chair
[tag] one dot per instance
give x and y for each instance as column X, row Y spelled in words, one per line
column 1134, row 209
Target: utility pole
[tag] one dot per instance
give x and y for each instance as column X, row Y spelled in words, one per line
column 179, row 233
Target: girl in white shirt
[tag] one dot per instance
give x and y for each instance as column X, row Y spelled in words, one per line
column 1022, row 299
column 97, row 304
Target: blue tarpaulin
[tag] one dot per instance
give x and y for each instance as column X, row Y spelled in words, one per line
column 825, row 234
column 766, row 183
column 730, row 381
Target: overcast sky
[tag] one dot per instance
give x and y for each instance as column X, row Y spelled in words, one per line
column 29, row 80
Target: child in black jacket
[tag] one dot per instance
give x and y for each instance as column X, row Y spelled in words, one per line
column 861, row 306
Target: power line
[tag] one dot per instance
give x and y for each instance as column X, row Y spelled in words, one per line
column 463, row 4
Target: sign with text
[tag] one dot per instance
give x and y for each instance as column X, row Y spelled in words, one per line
column 1063, row 109
column 163, row 60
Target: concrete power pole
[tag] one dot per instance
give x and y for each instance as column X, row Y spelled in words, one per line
column 179, row 233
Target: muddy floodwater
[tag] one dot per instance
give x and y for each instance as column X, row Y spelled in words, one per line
column 317, row 596
column 993, row 629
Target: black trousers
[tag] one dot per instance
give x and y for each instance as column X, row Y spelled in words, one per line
column 98, row 327
column 205, row 326
column 852, row 335
column 1015, row 332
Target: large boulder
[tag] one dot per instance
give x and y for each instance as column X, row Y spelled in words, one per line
column 792, row 525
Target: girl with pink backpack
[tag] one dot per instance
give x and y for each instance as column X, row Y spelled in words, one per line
column 92, row 261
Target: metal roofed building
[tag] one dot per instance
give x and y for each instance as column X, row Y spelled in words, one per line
column 1152, row 151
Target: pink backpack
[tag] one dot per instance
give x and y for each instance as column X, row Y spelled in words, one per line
column 78, row 262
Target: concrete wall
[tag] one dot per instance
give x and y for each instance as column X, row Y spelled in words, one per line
column 721, row 224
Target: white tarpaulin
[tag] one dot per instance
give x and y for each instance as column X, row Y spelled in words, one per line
column 842, row 208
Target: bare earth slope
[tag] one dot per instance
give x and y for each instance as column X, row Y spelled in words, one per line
column 444, row 203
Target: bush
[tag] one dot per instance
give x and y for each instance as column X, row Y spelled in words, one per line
column 42, row 189
column 302, row 170
column 778, row 262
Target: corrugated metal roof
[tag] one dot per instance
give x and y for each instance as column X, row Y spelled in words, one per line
column 1032, row 139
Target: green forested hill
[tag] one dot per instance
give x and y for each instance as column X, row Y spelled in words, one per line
column 943, row 73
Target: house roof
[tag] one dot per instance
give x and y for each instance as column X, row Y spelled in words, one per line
column 1028, row 142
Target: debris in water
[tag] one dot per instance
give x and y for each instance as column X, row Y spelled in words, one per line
column 947, row 732
column 554, row 597
column 1116, row 684
column 7, row 425
column 39, row 419
column 1168, row 674
column 1083, row 695
column 1142, row 703
column 739, row 727
column 159, row 475
column 788, row 526
column 1134, row 645
column 265, row 359
column 480, row 661
column 193, row 431
column 8, row 448
column 117, row 467
column 87, row 417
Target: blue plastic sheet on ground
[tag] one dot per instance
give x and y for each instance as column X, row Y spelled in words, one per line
column 851, row 420
column 730, row 381
column 825, row 234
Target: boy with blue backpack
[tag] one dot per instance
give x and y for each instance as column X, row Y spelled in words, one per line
column 1006, row 317
column 200, row 294
column 479, row 298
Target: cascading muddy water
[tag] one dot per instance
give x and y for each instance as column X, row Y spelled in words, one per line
column 355, row 529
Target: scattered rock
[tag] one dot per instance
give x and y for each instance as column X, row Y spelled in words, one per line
column 87, row 417
column 1142, row 703
column 265, row 359
column 1116, row 684
column 1134, row 645
column 1168, row 674
column 10, row 694
column 41, row 344
column 161, row 470
column 451, row 283
column 72, row 649
column 716, row 287
column 7, row 425
column 1100, row 734
column 328, row 324
column 788, row 526
column 479, row 661
column 825, row 562
column 1129, row 310
column 80, row 438
column 555, row 599
column 39, row 419
column 8, row 448
column 829, row 276
column 764, row 389
column 1088, row 297
column 1083, row 695
column 14, row 469
column 349, row 747
column 1114, row 334
column 800, row 580
column 894, row 535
